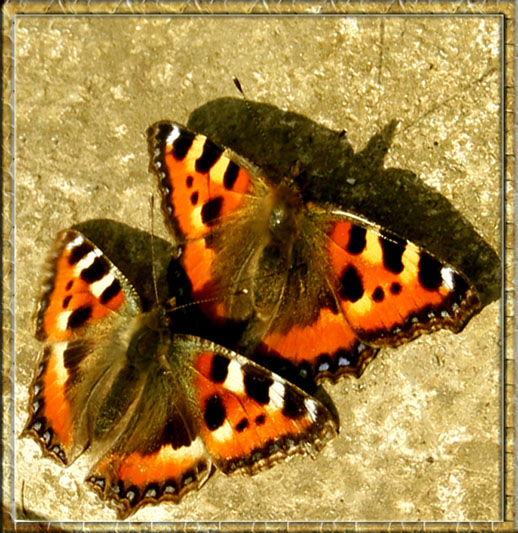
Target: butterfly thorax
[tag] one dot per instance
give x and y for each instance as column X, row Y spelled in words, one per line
column 277, row 240
column 147, row 338
column 286, row 211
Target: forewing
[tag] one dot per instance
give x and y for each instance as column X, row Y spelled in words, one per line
column 84, row 313
column 210, row 199
column 389, row 289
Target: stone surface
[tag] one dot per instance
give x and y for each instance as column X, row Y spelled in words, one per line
column 420, row 436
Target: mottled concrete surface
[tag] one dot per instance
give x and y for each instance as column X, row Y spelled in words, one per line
column 420, row 431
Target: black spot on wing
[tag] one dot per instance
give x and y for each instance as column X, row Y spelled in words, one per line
column 78, row 252
column 429, row 272
column 395, row 288
column 357, row 240
column 215, row 413
column 378, row 295
column 211, row 210
column 294, row 406
column 257, row 384
column 392, row 253
column 163, row 130
column 182, row 144
column 194, row 198
column 79, row 316
column 242, row 425
column 230, row 176
column 351, row 287
column 110, row 292
column 219, row 368
column 175, row 432
column 97, row 270
column 211, row 153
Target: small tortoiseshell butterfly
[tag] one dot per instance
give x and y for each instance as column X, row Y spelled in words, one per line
column 160, row 409
column 313, row 289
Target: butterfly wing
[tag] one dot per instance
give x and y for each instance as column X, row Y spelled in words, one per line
column 83, row 313
column 389, row 289
column 290, row 270
column 205, row 191
column 202, row 403
column 158, row 455
column 200, row 181
column 382, row 291
column 249, row 417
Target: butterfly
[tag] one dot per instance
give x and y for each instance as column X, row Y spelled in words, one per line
column 309, row 288
column 159, row 410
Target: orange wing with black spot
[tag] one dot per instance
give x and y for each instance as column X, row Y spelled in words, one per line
column 251, row 418
column 319, row 290
column 158, row 454
column 99, row 383
column 202, row 187
column 383, row 291
column 390, row 290
column 161, row 408
column 85, row 301
column 202, row 404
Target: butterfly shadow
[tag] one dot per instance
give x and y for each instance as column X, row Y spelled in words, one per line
column 133, row 252
column 335, row 175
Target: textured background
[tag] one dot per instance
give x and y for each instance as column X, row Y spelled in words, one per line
column 420, row 431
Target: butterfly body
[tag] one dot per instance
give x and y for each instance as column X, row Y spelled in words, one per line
column 318, row 289
column 159, row 410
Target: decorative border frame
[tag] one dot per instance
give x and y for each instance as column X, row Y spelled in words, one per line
column 510, row 241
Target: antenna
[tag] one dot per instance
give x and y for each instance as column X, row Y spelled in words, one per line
column 250, row 109
column 153, row 266
column 173, row 307
column 238, row 85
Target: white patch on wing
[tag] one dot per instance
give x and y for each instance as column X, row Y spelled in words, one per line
column 98, row 287
column 191, row 452
column 447, row 277
column 58, row 349
column 62, row 320
column 224, row 432
column 171, row 138
column 76, row 242
column 312, row 409
column 276, row 392
column 234, row 379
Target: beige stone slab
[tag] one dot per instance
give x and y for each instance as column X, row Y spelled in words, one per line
column 420, row 437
